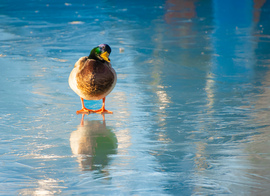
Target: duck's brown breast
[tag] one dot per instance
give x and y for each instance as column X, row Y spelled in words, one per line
column 95, row 78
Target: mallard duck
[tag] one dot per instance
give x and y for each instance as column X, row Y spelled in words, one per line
column 93, row 77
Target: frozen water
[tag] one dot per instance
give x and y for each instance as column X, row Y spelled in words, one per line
column 191, row 105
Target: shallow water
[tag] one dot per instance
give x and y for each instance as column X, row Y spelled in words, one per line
column 191, row 105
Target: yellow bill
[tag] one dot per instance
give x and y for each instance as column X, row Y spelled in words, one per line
column 105, row 56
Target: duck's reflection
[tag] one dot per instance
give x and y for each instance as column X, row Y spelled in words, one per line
column 93, row 142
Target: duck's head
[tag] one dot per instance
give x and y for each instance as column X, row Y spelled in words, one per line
column 101, row 52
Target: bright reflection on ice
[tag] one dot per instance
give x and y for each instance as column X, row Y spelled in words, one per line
column 45, row 187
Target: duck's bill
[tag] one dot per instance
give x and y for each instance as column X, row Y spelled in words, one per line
column 105, row 56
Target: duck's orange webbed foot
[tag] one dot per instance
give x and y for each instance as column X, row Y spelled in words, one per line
column 85, row 111
column 103, row 111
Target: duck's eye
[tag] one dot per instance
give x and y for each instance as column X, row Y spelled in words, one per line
column 98, row 50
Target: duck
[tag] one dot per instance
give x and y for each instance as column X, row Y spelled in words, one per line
column 93, row 78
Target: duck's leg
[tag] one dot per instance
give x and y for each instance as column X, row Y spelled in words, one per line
column 102, row 110
column 84, row 110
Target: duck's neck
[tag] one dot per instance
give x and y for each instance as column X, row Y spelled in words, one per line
column 92, row 55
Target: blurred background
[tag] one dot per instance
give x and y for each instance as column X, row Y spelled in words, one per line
column 191, row 104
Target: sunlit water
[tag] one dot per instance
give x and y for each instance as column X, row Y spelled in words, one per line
column 191, row 105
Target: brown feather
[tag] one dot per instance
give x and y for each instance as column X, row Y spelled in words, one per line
column 94, row 77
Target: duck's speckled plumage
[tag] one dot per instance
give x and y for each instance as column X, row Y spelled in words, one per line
column 94, row 79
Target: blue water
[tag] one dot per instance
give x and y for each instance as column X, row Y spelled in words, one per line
column 191, row 105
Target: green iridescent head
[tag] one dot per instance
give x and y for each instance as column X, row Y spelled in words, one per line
column 101, row 52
